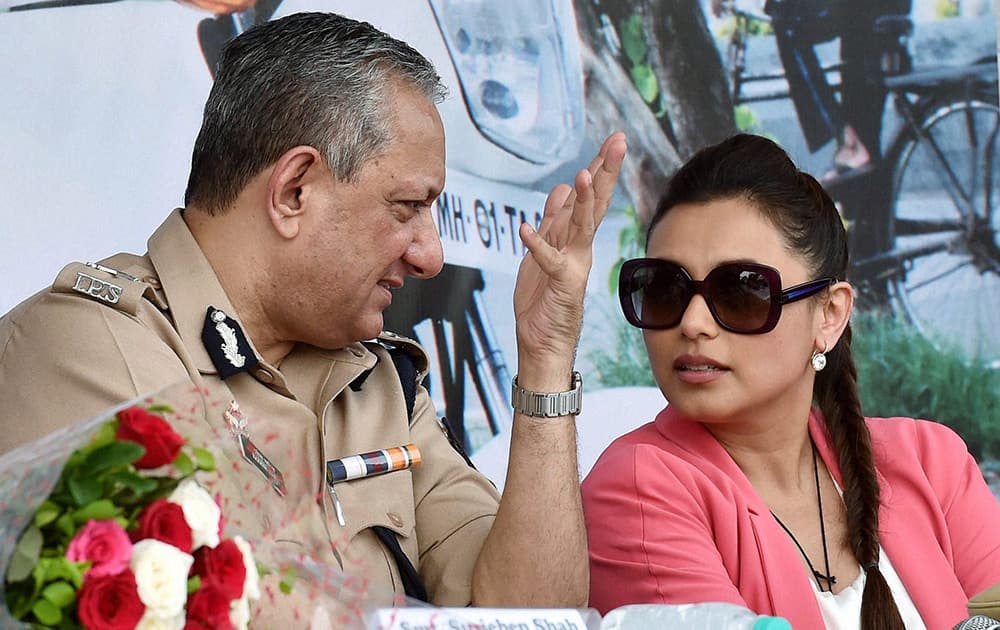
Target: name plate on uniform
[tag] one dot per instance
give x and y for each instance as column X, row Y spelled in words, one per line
column 421, row 618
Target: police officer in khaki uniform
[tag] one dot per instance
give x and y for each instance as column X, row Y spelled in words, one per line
column 309, row 201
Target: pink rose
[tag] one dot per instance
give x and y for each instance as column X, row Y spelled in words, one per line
column 152, row 433
column 105, row 544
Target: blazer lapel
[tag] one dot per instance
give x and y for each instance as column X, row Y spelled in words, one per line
column 776, row 582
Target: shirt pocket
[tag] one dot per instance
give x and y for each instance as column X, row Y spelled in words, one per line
column 384, row 500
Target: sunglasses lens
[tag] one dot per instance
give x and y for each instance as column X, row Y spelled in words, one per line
column 659, row 294
column 741, row 297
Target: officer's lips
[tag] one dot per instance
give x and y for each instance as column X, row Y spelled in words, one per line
column 388, row 286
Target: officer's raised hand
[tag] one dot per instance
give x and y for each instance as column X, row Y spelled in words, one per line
column 536, row 551
column 552, row 280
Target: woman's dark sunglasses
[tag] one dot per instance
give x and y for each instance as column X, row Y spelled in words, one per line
column 743, row 298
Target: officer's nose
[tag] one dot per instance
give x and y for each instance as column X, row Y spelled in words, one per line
column 425, row 256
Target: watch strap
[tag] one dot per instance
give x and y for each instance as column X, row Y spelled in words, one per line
column 548, row 405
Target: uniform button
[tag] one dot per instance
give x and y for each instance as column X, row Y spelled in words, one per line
column 395, row 519
column 264, row 375
column 267, row 523
column 357, row 352
column 152, row 281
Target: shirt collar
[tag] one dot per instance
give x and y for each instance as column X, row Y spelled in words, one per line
column 190, row 286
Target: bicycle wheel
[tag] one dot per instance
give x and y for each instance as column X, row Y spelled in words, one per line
column 945, row 222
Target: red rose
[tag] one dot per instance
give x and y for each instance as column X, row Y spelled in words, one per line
column 110, row 602
column 164, row 521
column 222, row 566
column 208, row 608
column 151, row 432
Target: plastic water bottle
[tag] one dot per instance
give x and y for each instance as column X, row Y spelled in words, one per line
column 708, row 615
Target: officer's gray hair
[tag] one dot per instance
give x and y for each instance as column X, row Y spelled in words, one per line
column 316, row 79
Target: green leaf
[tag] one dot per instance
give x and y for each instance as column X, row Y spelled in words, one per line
column 645, row 82
column 160, row 408
column 75, row 460
column 46, row 612
column 204, row 459
column 66, row 525
column 85, row 489
column 288, row 578
column 133, row 481
column 100, row 510
column 60, row 594
column 106, row 434
column 746, row 118
column 64, row 569
column 183, row 464
column 26, row 554
column 114, row 455
column 19, row 599
column 194, row 583
column 47, row 512
column 633, row 40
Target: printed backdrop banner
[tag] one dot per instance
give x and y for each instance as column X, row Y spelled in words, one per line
column 102, row 102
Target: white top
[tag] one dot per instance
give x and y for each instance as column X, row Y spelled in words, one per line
column 842, row 611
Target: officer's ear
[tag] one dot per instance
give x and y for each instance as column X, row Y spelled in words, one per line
column 292, row 174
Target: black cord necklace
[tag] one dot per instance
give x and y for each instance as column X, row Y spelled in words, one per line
column 827, row 577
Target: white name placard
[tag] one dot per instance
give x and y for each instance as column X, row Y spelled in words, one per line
column 418, row 618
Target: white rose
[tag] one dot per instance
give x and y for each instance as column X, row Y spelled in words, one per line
column 152, row 622
column 239, row 614
column 161, row 574
column 251, row 585
column 201, row 512
column 321, row 619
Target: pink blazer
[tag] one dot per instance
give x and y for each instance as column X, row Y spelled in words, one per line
column 672, row 519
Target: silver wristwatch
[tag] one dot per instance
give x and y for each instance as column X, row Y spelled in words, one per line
column 541, row 405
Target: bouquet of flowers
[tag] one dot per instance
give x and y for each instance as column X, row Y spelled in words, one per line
column 129, row 539
column 124, row 521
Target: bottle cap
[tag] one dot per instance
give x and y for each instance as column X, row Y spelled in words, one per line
column 772, row 623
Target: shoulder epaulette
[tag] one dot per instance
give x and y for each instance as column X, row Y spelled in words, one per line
column 391, row 341
column 117, row 289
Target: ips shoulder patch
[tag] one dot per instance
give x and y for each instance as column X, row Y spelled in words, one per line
column 114, row 288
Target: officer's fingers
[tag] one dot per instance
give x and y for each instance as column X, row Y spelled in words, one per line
column 606, row 177
column 583, row 220
column 560, row 198
column 545, row 255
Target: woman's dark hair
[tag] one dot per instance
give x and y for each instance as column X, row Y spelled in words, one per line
column 758, row 171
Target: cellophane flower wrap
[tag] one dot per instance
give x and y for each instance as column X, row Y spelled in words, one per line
column 119, row 522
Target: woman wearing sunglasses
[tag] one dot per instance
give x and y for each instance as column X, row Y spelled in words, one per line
column 761, row 483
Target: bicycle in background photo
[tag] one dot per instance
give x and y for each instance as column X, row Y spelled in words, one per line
column 922, row 215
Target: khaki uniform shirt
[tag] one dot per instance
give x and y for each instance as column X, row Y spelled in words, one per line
column 68, row 353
